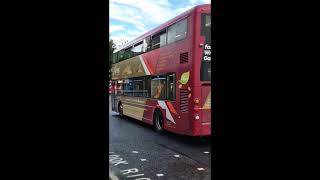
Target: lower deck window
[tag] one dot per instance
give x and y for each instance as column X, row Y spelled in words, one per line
column 158, row 87
column 141, row 87
column 171, row 79
column 128, row 87
column 119, row 87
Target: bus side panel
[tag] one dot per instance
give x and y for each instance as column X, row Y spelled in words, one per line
column 148, row 113
column 133, row 106
column 174, row 121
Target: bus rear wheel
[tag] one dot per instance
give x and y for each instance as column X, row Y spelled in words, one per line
column 158, row 121
column 120, row 110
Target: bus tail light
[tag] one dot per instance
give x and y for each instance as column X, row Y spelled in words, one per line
column 196, row 101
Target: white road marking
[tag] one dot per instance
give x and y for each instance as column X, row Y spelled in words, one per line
column 200, row 169
column 135, row 175
column 176, row 155
column 135, row 152
column 143, row 159
column 112, row 176
column 159, row 175
column 133, row 170
column 206, row 152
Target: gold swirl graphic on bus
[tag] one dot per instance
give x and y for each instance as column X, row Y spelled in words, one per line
column 133, row 67
column 133, row 106
column 207, row 104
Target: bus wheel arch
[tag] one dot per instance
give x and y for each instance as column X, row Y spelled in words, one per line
column 158, row 120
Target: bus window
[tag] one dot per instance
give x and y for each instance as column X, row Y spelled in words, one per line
column 120, row 55
column 128, row 53
column 158, row 87
column 147, row 90
column 205, row 69
column 171, row 33
column 155, row 42
column 138, row 87
column 159, row 39
column 147, row 45
column 128, row 87
column 177, row 31
column 137, row 49
column 114, row 58
column 171, row 79
column 182, row 29
column 119, row 87
column 163, row 39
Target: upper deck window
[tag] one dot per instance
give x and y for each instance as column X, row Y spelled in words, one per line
column 159, row 39
column 137, row 49
column 114, row 58
column 128, row 53
column 207, row 21
column 120, row 55
column 178, row 31
column 174, row 33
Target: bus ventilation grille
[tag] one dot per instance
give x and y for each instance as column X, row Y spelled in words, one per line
column 183, row 57
column 184, row 100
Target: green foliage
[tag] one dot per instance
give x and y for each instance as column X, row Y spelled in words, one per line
column 111, row 49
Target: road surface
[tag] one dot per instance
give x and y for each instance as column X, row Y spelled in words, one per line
column 136, row 151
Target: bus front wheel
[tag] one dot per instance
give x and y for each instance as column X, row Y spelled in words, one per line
column 158, row 121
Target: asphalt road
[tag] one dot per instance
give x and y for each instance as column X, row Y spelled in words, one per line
column 136, row 151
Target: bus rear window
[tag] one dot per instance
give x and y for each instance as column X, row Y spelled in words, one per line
column 205, row 69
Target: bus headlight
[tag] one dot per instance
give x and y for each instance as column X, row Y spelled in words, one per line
column 197, row 117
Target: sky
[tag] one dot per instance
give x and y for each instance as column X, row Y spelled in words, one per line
column 132, row 18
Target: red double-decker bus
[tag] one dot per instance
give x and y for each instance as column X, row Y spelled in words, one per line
column 163, row 77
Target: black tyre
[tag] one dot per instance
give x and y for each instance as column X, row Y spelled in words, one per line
column 120, row 109
column 158, row 121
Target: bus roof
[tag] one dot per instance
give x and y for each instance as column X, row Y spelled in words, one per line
column 168, row 23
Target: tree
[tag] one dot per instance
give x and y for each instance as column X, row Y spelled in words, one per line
column 111, row 49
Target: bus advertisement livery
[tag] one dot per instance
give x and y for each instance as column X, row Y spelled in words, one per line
column 163, row 77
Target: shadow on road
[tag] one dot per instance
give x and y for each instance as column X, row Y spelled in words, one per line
column 184, row 139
